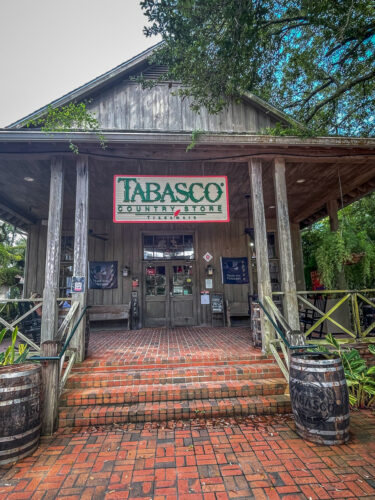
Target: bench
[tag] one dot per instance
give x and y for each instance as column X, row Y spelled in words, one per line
column 110, row 313
column 237, row 310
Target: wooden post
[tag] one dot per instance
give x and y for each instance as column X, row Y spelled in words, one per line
column 298, row 257
column 261, row 248
column 290, row 301
column 50, row 378
column 81, row 248
column 50, row 369
column 52, row 270
column 332, row 209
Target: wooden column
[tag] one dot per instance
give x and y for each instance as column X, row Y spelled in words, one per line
column 50, row 369
column 52, row 270
column 332, row 209
column 261, row 247
column 285, row 250
column 298, row 264
column 81, row 248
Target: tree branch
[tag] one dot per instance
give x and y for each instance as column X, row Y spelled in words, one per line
column 341, row 90
column 284, row 20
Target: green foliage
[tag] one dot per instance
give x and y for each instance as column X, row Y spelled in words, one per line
column 360, row 378
column 72, row 117
column 314, row 60
column 194, row 137
column 12, row 254
column 10, row 356
column 333, row 252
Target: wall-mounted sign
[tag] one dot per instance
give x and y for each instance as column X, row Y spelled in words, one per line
column 78, row 284
column 103, row 275
column 205, row 297
column 234, row 270
column 146, row 198
column 207, row 257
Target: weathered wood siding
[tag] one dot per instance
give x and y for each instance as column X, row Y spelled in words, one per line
column 124, row 245
column 126, row 106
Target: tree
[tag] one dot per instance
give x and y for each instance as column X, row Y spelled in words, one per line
column 313, row 59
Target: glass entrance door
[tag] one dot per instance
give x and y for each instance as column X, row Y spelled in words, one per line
column 169, row 295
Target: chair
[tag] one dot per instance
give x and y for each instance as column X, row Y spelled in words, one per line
column 309, row 316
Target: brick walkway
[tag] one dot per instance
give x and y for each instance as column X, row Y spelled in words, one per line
column 252, row 458
column 169, row 344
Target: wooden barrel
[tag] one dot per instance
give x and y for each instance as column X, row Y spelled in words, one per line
column 319, row 397
column 20, row 408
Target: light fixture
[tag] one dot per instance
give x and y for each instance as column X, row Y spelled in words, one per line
column 301, row 181
column 210, row 270
column 28, row 179
column 271, row 206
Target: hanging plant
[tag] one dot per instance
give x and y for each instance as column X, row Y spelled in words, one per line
column 330, row 257
column 348, row 251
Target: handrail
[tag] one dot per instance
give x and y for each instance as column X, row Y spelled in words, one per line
column 279, row 331
column 66, row 344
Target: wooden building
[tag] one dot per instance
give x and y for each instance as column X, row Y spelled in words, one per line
column 66, row 201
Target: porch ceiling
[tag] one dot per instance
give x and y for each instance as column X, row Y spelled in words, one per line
column 321, row 167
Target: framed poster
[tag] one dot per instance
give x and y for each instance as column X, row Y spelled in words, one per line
column 103, row 275
column 234, row 270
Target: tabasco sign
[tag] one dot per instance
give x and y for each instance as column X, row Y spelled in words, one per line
column 146, row 198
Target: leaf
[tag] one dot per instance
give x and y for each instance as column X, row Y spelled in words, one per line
column 332, row 341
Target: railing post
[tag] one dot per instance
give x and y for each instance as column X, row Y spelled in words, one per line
column 51, row 385
column 261, row 246
column 81, row 248
column 285, row 250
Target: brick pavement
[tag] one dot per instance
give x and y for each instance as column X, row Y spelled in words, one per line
column 248, row 458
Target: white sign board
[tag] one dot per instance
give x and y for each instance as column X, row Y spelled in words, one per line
column 146, row 198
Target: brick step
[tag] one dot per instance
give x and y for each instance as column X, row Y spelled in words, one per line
column 83, row 416
column 172, row 392
column 124, row 377
column 98, row 365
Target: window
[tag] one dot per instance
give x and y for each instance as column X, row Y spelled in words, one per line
column 168, row 247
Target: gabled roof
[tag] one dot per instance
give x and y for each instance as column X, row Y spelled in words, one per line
column 93, row 85
column 137, row 63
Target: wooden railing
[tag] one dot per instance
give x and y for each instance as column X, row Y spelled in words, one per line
column 18, row 319
column 352, row 298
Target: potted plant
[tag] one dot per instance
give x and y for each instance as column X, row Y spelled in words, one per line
column 20, row 401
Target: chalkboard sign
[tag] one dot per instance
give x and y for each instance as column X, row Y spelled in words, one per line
column 217, row 303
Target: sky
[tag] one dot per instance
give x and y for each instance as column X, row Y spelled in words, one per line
column 50, row 47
